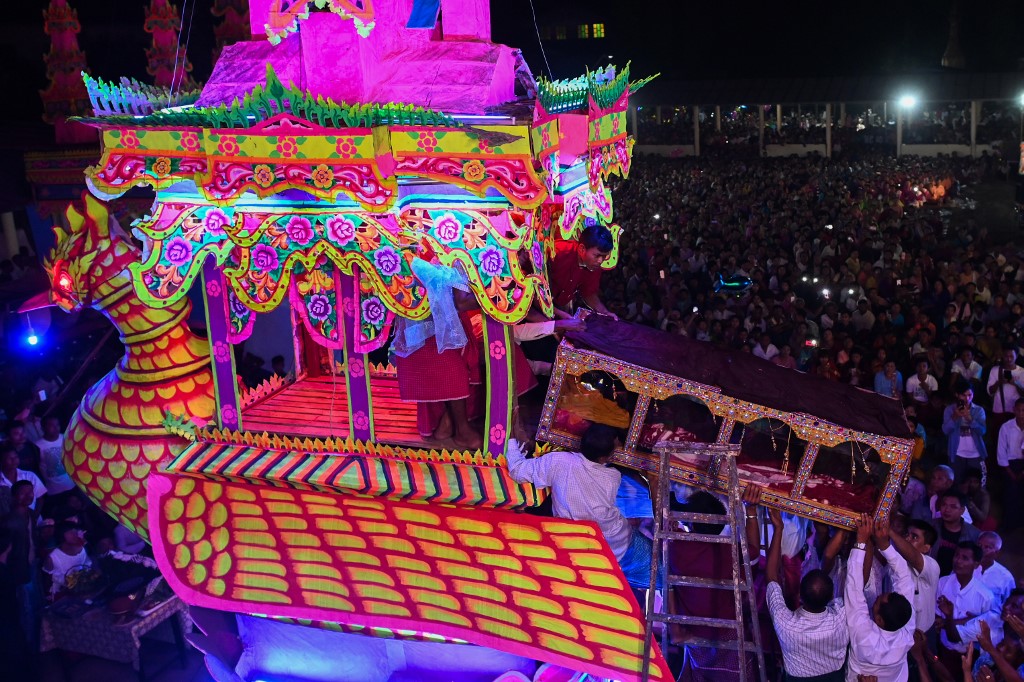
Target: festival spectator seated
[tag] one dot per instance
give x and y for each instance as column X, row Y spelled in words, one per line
column 951, row 530
column 10, row 473
column 882, row 634
column 996, row 577
column 765, row 349
column 785, row 357
column 922, row 385
column 814, row 637
column 963, row 602
column 69, row 555
column 967, row 368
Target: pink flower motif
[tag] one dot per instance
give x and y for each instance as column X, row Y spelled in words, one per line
column 213, row 288
column 448, row 228
column 287, row 147
column 300, row 231
column 484, row 146
column 190, row 142
column 498, row 434
column 349, row 306
column 340, row 230
column 345, row 148
column 545, row 138
column 215, row 221
column 356, row 369
column 129, row 139
column 264, row 258
column 360, row 421
column 498, row 350
column 228, row 145
column 427, row 142
column 221, row 352
column 229, row 416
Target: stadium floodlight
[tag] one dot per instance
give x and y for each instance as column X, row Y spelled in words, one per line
column 1022, row 99
column 908, row 101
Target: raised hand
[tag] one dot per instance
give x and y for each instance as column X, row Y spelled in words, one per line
column 985, row 636
column 775, row 516
column 864, row 528
column 752, row 494
column 880, row 530
column 945, row 607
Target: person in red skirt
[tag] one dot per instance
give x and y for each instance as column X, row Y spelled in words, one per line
column 446, row 377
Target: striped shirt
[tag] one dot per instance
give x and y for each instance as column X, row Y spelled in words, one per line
column 812, row 643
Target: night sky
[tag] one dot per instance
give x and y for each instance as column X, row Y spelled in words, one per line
column 681, row 39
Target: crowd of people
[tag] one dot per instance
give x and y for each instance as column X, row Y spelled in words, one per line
column 855, row 272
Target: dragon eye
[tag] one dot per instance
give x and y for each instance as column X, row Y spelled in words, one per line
column 64, row 283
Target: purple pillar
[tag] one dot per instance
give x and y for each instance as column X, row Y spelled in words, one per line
column 222, row 357
column 357, row 374
column 501, row 393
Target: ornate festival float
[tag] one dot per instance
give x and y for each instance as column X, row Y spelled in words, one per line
column 327, row 159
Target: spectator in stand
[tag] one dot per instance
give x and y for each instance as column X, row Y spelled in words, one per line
column 765, row 349
column 51, row 464
column 951, row 530
column 963, row 422
column 785, row 358
column 889, row 382
column 977, row 500
column 922, row 385
column 963, row 603
column 995, row 576
column 1006, row 386
column 966, row 367
column 1010, row 458
column 69, row 555
column 11, row 474
column 28, row 453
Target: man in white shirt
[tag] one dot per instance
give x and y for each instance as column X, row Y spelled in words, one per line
column 584, row 488
column 921, row 385
column 813, row 638
column 51, row 464
column 1010, row 457
column 1005, row 385
column 880, row 637
column 765, row 349
column 963, row 600
column 995, row 576
column 924, row 570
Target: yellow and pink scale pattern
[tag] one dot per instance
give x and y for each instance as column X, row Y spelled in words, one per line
column 541, row 587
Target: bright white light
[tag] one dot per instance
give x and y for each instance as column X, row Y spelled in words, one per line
column 850, row 292
column 33, row 339
column 611, row 56
column 826, row 293
column 657, row 216
column 1022, row 99
column 908, row 101
column 815, row 280
column 804, row 278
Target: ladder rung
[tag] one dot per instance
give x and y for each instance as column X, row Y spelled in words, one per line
column 678, row 619
column 693, row 581
column 693, row 537
column 730, row 644
column 701, row 518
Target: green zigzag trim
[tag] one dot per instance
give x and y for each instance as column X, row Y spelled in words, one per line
column 132, row 98
column 605, row 85
column 266, row 101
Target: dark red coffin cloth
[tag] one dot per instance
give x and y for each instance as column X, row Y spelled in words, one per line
column 741, row 375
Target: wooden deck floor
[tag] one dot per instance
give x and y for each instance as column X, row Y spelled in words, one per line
column 319, row 408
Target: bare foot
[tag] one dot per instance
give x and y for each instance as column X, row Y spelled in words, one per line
column 468, row 439
column 445, row 428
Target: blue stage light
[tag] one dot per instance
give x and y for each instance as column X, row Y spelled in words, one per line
column 32, row 339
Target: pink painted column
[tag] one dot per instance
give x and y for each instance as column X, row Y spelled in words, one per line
column 357, row 375
column 501, row 393
column 222, row 357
